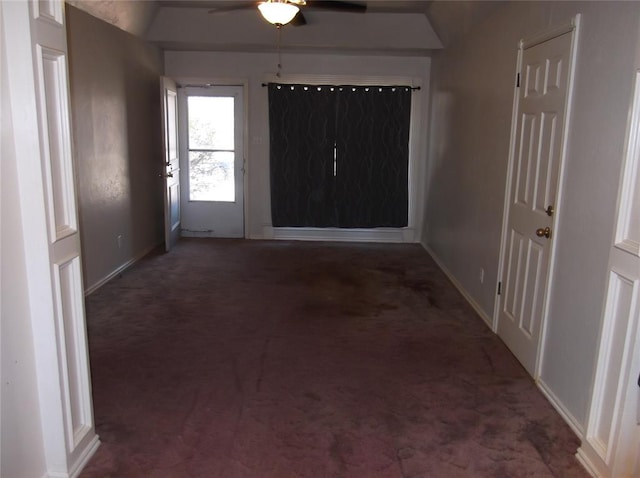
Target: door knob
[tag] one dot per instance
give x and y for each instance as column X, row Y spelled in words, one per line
column 168, row 175
column 550, row 210
column 544, row 232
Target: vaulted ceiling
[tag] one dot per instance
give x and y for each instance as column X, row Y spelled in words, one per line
column 396, row 27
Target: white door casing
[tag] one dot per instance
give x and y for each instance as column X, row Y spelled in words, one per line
column 213, row 218
column 41, row 123
column 171, row 167
column 612, row 440
column 533, row 195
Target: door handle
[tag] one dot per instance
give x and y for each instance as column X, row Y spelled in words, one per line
column 544, row 232
column 550, row 210
column 168, row 175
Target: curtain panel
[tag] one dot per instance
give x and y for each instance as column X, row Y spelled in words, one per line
column 339, row 155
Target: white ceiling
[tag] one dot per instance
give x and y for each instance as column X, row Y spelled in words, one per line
column 394, row 6
column 389, row 27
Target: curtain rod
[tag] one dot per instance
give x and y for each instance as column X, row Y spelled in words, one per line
column 412, row 88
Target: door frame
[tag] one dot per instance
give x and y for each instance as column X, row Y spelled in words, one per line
column 182, row 132
column 572, row 27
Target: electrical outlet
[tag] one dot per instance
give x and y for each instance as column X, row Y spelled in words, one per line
column 119, row 239
column 481, row 275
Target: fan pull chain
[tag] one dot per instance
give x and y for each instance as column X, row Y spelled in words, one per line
column 279, row 51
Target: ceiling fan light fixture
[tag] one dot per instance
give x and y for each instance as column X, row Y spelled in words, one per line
column 278, row 12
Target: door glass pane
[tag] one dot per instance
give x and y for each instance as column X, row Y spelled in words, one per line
column 211, row 176
column 210, row 122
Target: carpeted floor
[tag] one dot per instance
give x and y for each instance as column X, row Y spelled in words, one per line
column 282, row 359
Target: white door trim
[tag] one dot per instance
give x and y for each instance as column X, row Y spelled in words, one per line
column 573, row 27
column 38, row 83
column 612, row 438
column 551, row 33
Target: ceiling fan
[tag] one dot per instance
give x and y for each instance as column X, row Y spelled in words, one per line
column 282, row 12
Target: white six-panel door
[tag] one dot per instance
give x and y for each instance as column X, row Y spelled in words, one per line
column 541, row 111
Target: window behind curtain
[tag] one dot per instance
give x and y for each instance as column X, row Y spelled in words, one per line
column 339, row 155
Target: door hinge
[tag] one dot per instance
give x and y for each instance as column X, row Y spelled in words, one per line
column 499, row 287
column 638, row 414
column 518, row 80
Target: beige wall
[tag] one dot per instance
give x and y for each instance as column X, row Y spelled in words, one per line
column 255, row 68
column 115, row 100
column 472, row 87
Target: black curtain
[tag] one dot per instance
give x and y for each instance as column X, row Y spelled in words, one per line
column 339, row 155
column 372, row 157
column 302, row 124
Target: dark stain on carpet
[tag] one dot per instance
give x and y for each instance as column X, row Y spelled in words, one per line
column 333, row 289
column 258, row 359
column 536, row 433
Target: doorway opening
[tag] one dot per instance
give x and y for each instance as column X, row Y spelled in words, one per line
column 211, row 126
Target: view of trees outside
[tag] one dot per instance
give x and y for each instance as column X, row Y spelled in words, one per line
column 211, row 148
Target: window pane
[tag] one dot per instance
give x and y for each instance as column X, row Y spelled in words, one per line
column 211, row 176
column 210, row 122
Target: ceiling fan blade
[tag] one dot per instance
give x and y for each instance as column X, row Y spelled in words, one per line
column 299, row 20
column 230, row 7
column 337, row 6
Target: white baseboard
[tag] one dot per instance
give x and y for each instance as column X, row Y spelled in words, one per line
column 575, row 426
column 390, row 235
column 207, row 235
column 267, row 231
column 573, row 423
column 89, row 290
column 483, row 315
column 80, row 463
column 84, row 458
column 586, row 459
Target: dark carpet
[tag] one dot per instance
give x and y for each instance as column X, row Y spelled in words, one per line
column 233, row 359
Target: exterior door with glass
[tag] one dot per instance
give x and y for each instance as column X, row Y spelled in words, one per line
column 211, row 120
